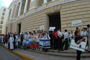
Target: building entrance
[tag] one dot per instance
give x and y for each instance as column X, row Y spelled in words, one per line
column 55, row 20
column 19, row 28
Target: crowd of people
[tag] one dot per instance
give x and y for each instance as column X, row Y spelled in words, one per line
column 58, row 40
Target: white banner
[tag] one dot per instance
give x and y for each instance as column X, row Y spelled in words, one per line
column 44, row 43
column 76, row 23
column 52, row 28
column 81, row 46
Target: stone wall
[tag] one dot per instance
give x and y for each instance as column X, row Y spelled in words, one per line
column 69, row 12
column 75, row 11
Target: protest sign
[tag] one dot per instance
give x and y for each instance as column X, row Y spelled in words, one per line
column 81, row 46
column 42, row 27
column 51, row 28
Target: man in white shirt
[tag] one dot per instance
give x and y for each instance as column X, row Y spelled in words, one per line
column 72, row 35
column 59, row 40
column 85, row 34
column 66, row 36
column 59, row 33
column 29, row 35
column 81, row 33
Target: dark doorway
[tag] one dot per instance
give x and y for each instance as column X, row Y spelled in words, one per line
column 55, row 21
column 19, row 30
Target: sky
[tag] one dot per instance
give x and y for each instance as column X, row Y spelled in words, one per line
column 5, row 3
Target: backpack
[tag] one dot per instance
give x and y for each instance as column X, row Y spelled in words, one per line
column 56, row 35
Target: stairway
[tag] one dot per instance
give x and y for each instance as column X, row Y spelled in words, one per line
column 70, row 53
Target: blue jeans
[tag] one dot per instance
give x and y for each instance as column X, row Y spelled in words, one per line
column 18, row 44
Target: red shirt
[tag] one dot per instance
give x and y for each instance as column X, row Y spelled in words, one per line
column 55, row 34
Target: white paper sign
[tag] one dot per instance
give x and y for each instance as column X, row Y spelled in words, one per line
column 42, row 27
column 80, row 47
column 76, row 23
column 52, row 28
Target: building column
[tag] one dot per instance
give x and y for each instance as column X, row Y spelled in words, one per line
column 20, row 9
column 53, row 0
column 33, row 4
column 45, row 1
column 8, row 15
column 25, row 8
column 11, row 13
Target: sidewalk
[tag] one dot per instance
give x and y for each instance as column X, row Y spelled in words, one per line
column 44, row 56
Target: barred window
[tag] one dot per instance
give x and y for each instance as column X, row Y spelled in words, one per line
column 3, row 13
column 4, row 9
column 0, row 26
column 0, row 31
column 1, row 22
column 2, row 18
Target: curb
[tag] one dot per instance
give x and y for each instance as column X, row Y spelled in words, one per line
column 20, row 55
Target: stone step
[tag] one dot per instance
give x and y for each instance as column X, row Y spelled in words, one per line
column 60, row 54
column 68, row 55
column 71, row 51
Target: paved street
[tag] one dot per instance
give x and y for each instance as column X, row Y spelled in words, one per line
column 38, row 56
column 6, row 55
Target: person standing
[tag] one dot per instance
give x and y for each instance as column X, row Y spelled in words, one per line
column 8, row 40
column 78, row 39
column 22, row 38
column 84, row 33
column 11, row 39
column 51, row 40
column 29, row 35
column 72, row 35
column 59, row 40
column 46, row 36
column 77, row 29
column 88, row 27
column 55, row 39
column 2, row 39
column 5, row 38
column 66, row 36
column 81, row 33
column 18, row 41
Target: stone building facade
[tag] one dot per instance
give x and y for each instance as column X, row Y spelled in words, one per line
column 29, row 15
column 3, row 19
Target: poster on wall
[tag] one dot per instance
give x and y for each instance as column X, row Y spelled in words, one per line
column 42, row 27
column 76, row 23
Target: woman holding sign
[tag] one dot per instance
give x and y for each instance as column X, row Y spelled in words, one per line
column 78, row 39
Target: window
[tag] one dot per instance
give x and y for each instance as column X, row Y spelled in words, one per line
column 0, row 31
column 4, row 9
column 3, row 13
column 1, row 22
column 0, row 26
column 2, row 18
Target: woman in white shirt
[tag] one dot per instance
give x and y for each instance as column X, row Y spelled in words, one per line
column 18, row 41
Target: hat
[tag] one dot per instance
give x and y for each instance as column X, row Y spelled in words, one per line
column 45, row 31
